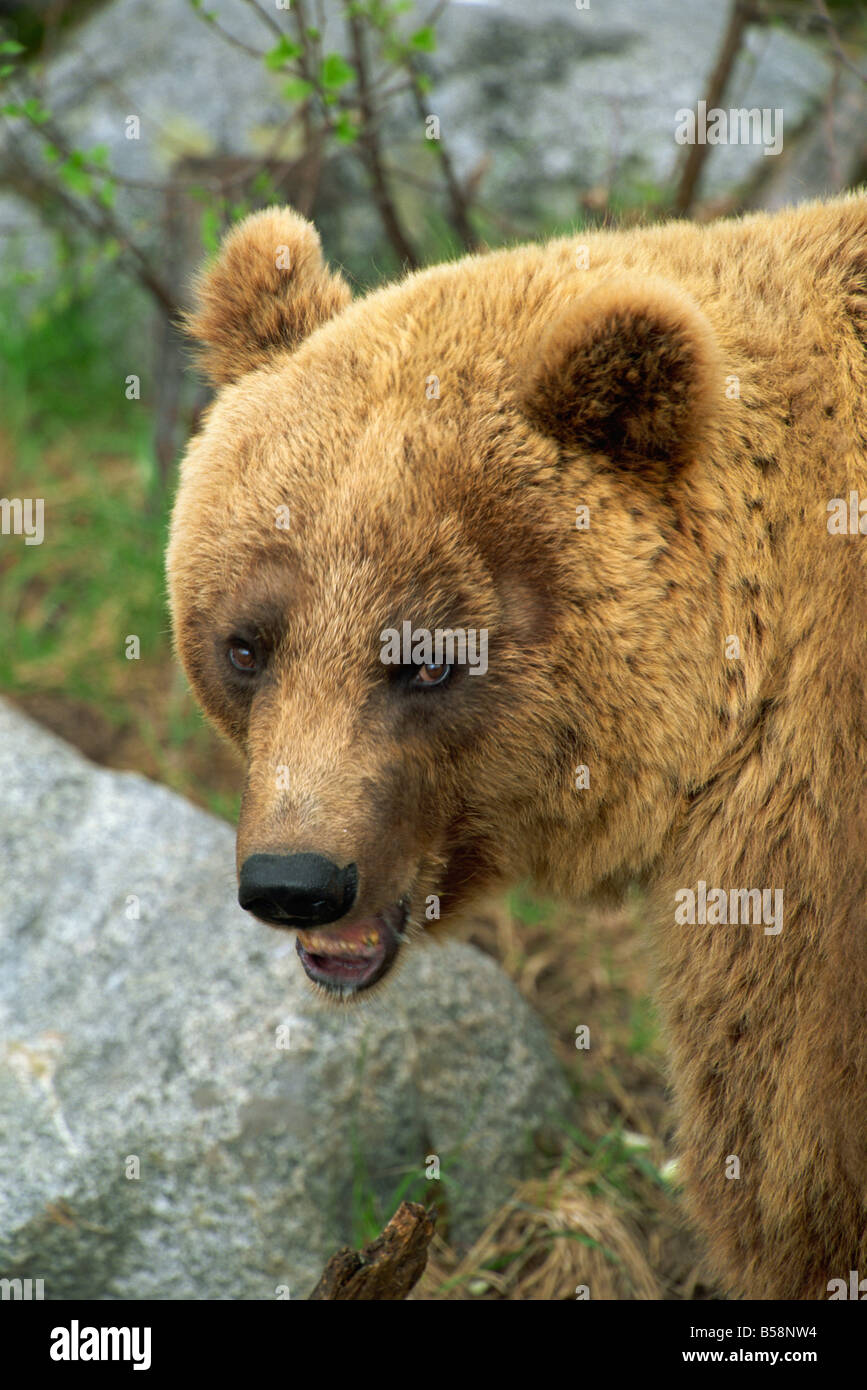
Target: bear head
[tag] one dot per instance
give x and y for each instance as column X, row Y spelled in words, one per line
column 423, row 569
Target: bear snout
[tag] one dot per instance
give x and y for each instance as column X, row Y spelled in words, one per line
column 296, row 890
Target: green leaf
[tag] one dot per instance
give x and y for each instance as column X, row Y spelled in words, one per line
column 423, row 40
column 314, row 35
column 50, row 153
column 297, row 89
column 6, row 69
column 11, row 46
column 107, row 194
column 11, row 109
column 283, row 52
column 345, row 129
column 76, row 178
column 335, row 71
column 263, row 186
column 98, row 155
column 35, row 110
column 209, row 230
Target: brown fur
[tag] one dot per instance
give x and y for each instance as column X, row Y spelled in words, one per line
column 562, row 387
column 268, row 290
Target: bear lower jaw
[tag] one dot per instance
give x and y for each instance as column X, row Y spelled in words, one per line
column 350, row 958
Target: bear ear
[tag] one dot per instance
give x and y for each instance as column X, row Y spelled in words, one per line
column 267, row 290
column 629, row 370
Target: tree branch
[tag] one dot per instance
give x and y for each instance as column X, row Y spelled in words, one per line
column 372, row 151
column 742, row 14
column 834, row 38
column 99, row 223
column 459, row 213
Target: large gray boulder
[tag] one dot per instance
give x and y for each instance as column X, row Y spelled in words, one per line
column 140, row 1012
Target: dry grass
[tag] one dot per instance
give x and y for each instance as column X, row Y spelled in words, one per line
column 553, row 1240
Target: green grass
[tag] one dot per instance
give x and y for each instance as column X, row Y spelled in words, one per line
column 64, row 361
column 68, row 435
column 529, row 910
column 72, row 439
column 615, row 1164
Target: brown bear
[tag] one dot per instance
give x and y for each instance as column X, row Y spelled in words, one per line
column 550, row 564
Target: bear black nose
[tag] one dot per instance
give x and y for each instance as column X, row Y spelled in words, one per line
column 296, row 890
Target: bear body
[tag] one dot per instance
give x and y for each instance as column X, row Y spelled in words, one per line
column 635, row 461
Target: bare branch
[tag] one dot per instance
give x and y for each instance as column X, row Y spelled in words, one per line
column 459, row 215
column 265, row 17
column 99, row 223
column 741, row 16
column 836, row 43
column 95, row 217
column 372, row 151
column 214, row 24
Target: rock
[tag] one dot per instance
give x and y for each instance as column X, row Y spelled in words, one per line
column 569, row 100
column 140, row 1016
column 554, row 103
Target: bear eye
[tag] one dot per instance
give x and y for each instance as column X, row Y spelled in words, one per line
column 428, row 676
column 243, row 657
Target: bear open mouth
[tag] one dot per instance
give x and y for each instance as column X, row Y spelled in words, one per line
column 355, row 956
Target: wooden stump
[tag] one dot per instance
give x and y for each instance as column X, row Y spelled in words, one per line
column 388, row 1267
